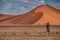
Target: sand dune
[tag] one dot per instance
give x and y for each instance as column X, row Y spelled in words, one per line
column 4, row 16
column 51, row 15
column 40, row 15
column 29, row 18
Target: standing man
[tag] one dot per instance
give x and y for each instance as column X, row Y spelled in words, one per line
column 48, row 27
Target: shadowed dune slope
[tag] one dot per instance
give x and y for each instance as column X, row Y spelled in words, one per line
column 40, row 15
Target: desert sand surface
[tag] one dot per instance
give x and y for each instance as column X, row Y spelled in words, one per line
column 38, row 16
column 30, row 32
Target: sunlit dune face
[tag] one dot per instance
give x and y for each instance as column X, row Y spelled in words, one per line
column 47, row 19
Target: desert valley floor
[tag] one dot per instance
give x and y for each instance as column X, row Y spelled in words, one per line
column 29, row 32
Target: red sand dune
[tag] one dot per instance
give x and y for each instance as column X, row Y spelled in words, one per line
column 40, row 15
column 50, row 15
column 4, row 16
column 28, row 18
